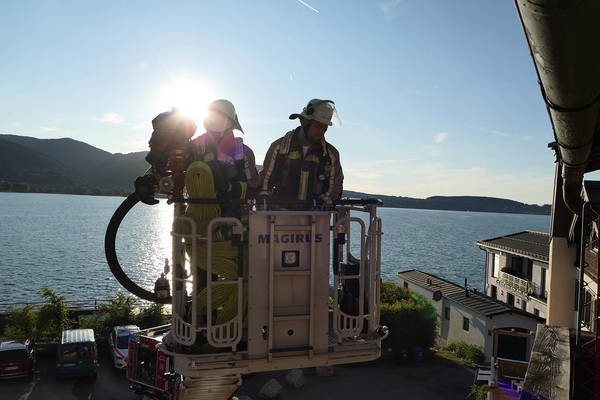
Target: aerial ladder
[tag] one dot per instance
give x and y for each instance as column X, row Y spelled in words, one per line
column 304, row 292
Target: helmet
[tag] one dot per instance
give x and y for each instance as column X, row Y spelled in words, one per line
column 320, row 110
column 221, row 117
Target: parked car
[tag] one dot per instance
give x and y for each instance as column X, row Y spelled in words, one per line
column 77, row 354
column 17, row 358
column 118, row 344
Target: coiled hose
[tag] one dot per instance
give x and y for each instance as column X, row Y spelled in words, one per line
column 111, row 253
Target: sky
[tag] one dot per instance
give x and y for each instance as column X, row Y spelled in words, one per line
column 436, row 97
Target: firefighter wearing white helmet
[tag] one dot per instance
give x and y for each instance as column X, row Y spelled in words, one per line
column 301, row 167
column 232, row 162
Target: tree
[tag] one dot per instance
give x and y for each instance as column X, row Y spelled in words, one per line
column 151, row 316
column 53, row 317
column 22, row 324
column 118, row 311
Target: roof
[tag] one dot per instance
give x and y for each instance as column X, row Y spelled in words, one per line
column 13, row 345
column 78, row 336
column 126, row 329
column 475, row 301
column 530, row 244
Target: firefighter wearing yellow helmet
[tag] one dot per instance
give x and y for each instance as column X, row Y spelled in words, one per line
column 301, row 167
column 232, row 162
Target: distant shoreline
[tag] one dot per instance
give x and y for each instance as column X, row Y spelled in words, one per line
column 542, row 210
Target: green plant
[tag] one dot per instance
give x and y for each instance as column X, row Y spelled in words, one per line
column 93, row 321
column 151, row 316
column 118, row 311
column 477, row 392
column 22, row 324
column 451, row 347
column 469, row 353
column 53, row 316
column 392, row 293
column 412, row 322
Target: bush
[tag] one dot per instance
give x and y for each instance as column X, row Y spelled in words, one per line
column 477, row 392
column 93, row 321
column 151, row 316
column 22, row 324
column 118, row 311
column 412, row 320
column 470, row 353
column 392, row 293
column 53, row 316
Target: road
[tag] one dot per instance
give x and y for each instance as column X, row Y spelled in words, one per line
column 437, row 379
column 110, row 384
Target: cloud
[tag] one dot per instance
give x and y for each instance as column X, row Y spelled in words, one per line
column 367, row 175
column 499, row 133
column 308, row 6
column 48, row 129
column 17, row 124
column 112, row 118
column 291, row 76
column 389, row 8
column 440, row 137
column 433, row 178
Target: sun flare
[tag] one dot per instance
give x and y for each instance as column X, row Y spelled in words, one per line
column 190, row 96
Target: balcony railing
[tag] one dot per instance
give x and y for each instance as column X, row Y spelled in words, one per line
column 517, row 284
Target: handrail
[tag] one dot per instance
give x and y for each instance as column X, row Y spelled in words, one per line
column 231, row 339
column 346, row 325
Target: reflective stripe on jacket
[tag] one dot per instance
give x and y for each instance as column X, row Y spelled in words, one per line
column 290, row 175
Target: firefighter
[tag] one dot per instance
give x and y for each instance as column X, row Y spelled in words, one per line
column 301, row 168
column 231, row 161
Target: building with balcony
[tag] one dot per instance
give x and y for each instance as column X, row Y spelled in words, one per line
column 516, row 273
column 516, row 270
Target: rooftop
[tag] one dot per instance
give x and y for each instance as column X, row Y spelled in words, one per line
column 13, row 345
column 476, row 301
column 78, row 336
column 530, row 244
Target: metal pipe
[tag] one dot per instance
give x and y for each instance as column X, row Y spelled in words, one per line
column 563, row 41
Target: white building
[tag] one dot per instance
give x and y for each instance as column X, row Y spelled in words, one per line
column 470, row 316
column 516, row 272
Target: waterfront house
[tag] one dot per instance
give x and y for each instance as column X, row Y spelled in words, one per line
column 466, row 315
column 516, row 272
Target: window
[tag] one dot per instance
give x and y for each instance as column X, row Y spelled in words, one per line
column 406, row 285
column 511, row 299
column 524, row 305
column 543, row 284
column 494, row 293
column 465, row 324
column 447, row 313
column 536, row 312
column 496, row 265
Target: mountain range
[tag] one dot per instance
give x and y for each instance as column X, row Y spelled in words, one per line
column 66, row 165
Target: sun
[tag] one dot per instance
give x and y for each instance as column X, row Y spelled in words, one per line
column 190, row 96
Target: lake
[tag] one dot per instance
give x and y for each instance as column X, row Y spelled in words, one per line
column 57, row 241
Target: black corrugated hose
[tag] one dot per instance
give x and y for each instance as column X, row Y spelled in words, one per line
column 111, row 254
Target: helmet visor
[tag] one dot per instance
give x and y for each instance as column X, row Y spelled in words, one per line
column 325, row 112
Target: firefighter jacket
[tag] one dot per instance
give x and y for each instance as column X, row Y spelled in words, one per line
column 290, row 175
column 232, row 163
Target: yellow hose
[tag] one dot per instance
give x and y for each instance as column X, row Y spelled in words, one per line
column 199, row 183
